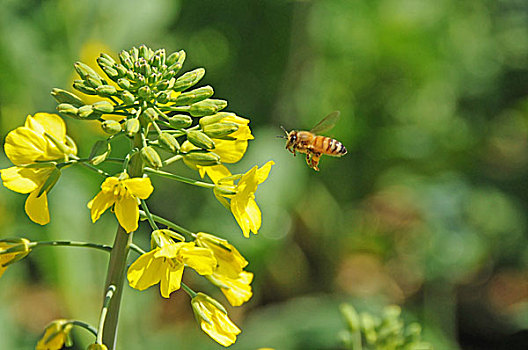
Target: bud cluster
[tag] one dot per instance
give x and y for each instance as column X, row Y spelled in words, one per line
column 144, row 88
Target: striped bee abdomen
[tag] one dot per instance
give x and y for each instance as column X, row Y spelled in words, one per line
column 328, row 146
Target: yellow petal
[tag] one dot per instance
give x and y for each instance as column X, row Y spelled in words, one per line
column 215, row 172
column 146, row 271
column 262, row 173
column 99, row 204
column 37, row 207
column 255, row 216
column 139, row 187
column 230, row 151
column 24, row 180
column 200, row 259
column 25, row 146
column 127, row 212
column 171, row 280
column 52, row 124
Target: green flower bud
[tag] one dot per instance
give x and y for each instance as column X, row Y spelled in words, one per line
column 158, row 59
column 131, row 127
column 163, row 85
column 103, row 107
column 169, row 142
column 121, row 70
column 188, row 79
column 125, row 59
column 162, row 97
column 108, row 58
column 193, row 96
column 106, row 90
column 173, row 57
column 100, row 151
column 150, row 114
column 207, row 107
column 215, row 118
column 151, row 157
column 144, row 92
column 86, row 72
column 87, row 112
column 219, row 130
column 112, row 73
column 111, row 127
column 199, row 139
column 91, row 82
column 63, row 96
column 143, row 67
column 178, row 64
column 134, row 54
column 82, row 87
column 202, row 158
column 180, row 121
column 68, row 110
column 145, row 52
column 131, row 75
column 127, row 97
column 124, row 83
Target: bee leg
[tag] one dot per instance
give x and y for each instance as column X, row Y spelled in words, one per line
column 314, row 161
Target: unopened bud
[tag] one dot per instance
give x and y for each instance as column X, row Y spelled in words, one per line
column 215, row 118
column 188, row 79
column 87, row 112
column 219, row 130
column 162, row 97
column 131, row 126
column 121, row 70
column 194, row 96
column 199, row 139
column 124, row 83
column 103, row 107
column 351, row 317
column 100, row 151
column 111, row 72
column 169, row 142
column 63, row 96
column 107, row 58
column 82, row 87
column 179, row 121
column 144, row 92
column 111, row 127
column 93, row 83
column 68, row 110
column 150, row 114
column 127, row 97
column 178, row 64
column 151, row 157
column 202, row 158
column 106, row 90
column 125, row 59
column 86, row 72
column 207, row 107
column 145, row 52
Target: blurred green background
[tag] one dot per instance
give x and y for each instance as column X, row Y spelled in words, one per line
column 428, row 209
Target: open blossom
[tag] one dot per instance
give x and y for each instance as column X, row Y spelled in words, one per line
column 242, row 204
column 165, row 265
column 56, row 335
column 230, row 261
column 213, row 319
column 123, row 193
column 236, row 290
column 33, row 148
column 22, row 249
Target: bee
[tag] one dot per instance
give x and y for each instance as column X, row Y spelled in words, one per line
column 314, row 146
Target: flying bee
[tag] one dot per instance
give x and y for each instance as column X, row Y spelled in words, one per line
column 314, row 146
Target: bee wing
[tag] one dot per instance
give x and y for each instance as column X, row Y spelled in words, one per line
column 327, row 123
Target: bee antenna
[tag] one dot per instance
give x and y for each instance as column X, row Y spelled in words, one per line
column 286, row 131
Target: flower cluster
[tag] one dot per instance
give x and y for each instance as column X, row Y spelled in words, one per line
column 142, row 98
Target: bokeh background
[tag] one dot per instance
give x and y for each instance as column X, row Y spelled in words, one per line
column 428, row 210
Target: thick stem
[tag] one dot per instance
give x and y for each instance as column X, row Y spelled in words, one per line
column 117, row 265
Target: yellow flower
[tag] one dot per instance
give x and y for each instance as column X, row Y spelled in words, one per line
column 124, row 193
column 214, row 320
column 242, row 203
column 97, row 347
column 236, row 290
column 56, row 335
column 230, row 261
column 19, row 249
column 42, row 139
column 165, row 265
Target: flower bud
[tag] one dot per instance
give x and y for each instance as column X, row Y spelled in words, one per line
column 134, row 54
column 124, row 83
column 144, row 92
column 151, row 157
column 179, row 121
column 131, row 127
column 106, row 90
column 188, row 79
column 127, row 97
column 215, row 118
column 82, row 87
column 175, row 67
column 111, row 72
column 172, row 58
column 193, row 96
column 103, row 107
column 169, row 142
column 107, row 58
column 150, row 114
column 86, row 72
column 100, row 151
column 351, row 317
column 220, row 130
column 145, row 52
column 158, row 59
column 163, row 97
column 207, row 107
column 91, row 82
column 163, row 84
column 199, row 139
column 125, row 59
column 111, row 127
column 121, row 70
column 87, row 112
column 63, row 96
column 68, row 110
column 201, row 158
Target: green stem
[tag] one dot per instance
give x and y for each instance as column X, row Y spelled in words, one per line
column 188, row 290
column 172, row 159
column 148, row 215
column 170, row 224
column 97, row 170
column 103, row 247
column 180, row 178
column 84, row 325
